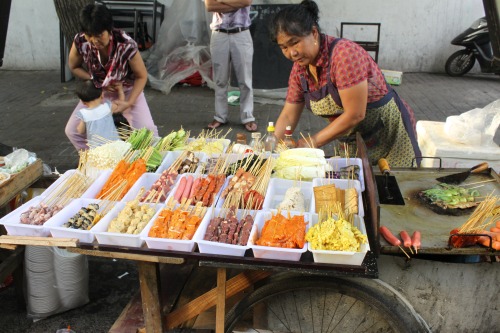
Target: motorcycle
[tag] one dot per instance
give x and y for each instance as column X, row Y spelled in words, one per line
column 476, row 40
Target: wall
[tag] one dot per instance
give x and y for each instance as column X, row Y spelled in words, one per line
column 415, row 34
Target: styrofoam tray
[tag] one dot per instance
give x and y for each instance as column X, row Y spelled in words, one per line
column 55, row 223
column 91, row 191
column 339, row 183
column 338, row 162
column 278, row 187
column 211, row 247
column 14, row 227
column 116, row 238
column 146, row 180
column 196, row 175
column 167, row 243
column 225, row 144
column 341, row 257
column 172, row 156
column 269, row 252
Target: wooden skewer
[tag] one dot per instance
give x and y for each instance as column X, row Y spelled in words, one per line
column 404, row 252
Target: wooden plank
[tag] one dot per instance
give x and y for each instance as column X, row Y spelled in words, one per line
column 20, row 181
column 128, row 256
column 207, row 300
column 39, row 241
column 221, row 300
column 151, row 307
column 131, row 319
column 8, row 246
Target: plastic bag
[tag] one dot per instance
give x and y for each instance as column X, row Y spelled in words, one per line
column 18, row 160
column 476, row 127
column 56, row 281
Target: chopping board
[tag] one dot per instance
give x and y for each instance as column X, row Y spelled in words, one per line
column 20, row 181
column 416, row 215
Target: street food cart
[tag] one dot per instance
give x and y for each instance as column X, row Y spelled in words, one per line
column 388, row 292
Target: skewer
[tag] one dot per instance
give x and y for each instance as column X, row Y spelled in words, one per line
column 481, row 182
column 404, row 251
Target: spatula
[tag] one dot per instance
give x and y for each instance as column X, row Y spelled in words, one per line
column 387, row 186
column 458, row 178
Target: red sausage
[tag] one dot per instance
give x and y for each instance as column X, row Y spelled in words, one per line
column 389, row 236
column 187, row 189
column 415, row 240
column 180, row 189
column 406, row 238
column 196, row 184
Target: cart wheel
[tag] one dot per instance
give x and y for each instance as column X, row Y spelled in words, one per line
column 324, row 304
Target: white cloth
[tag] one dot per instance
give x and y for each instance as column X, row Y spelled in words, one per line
column 99, row 121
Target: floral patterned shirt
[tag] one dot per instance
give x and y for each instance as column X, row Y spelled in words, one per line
column 123, row 48
column 350, row 64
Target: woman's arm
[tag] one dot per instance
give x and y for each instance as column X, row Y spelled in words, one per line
column 354, row 100
column 289, row 116
column 81, row 129
column 141, row 78
column 75, row 62
column 226, row 6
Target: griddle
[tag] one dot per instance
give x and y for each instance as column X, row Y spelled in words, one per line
column 416, row 215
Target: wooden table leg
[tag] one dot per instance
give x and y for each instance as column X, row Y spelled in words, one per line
column 151, row 308
column 221, row 300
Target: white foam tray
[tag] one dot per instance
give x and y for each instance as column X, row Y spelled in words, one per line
column 146, row 180
column 341, row 257
column 278, row 187
column 338, row 162
column 55, row 223
column 172, row 156
column 210, row 247
column 167, row 243
column 115, row 238
column 269, row 252
column 341, row 184
column 14, row 227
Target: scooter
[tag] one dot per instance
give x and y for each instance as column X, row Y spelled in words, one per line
column 476, row 40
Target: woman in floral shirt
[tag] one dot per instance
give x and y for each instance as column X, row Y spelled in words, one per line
column 111, row 58
column 338, row 80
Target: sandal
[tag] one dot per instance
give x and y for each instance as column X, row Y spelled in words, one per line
column 215, row 124
column 251, row 126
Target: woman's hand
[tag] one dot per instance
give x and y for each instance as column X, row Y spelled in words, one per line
column 306, row 143
column 120, row 106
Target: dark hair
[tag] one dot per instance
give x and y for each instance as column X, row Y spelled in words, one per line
column 94, row 19
column 295, row 20
column 87, row 91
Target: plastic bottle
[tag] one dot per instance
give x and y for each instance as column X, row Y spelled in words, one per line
column 289, row 141
column 270, row 143
column 241, row 138
column 256, row 143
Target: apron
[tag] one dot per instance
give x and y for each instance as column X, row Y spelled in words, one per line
column 388, row 129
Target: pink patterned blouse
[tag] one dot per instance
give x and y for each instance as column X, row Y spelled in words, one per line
column 123, row 48
column 350, row 64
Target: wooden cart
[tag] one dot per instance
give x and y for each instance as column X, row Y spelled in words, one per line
column 386, row 293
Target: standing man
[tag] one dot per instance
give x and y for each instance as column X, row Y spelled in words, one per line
column 231, row 43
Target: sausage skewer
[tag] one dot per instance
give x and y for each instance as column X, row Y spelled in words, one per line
column 415, row 240
column 393, row 240
column 406, row 240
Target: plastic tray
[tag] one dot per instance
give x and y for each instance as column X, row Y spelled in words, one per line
column 273, row 252
column 210, row 247
column 115, row 238
column 55, row 223
column 278, row 187
column 172, row 156
column 146, row 180
column 339, row 183
column 341, row 257
column 14, row 226
column 197, row 175
column 338, row 162
column 167, row 243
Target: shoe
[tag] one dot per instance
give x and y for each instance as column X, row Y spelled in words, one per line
column 251, row 126
column 215, row 124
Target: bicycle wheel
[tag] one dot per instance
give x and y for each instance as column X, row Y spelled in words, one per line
column 318, row 304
